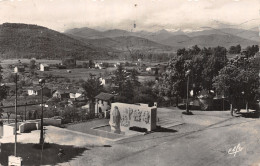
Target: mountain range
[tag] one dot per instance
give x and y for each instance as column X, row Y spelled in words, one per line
column 164, row 40
column 25, row 41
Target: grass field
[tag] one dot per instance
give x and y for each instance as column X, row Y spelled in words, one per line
column 77, row 73
column 74, row 74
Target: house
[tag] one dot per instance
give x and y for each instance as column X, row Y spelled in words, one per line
column 37, row 91
column 106, row 81
column 44, row 67
column 19, row 68
column 103, row 102
column 152, row 70
column 99, row 65
column 77, row 94
column 69, row 62
column 61, row 94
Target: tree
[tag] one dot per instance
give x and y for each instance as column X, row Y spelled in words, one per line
column 8, row 115
column 3, row 89
column 1, row 112
column 145, row 94
column 92, row 87
column 197, row 68
column 91, row 64
column 120, row 77
column 251, row 51
column 235, row 49
column 237, row 82
column 32, row 65
column 133, row 78
column 173, row 83
column 214, row 63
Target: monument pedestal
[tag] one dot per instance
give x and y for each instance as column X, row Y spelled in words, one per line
column 14, row 161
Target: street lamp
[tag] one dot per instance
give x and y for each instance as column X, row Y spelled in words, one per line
column 41, row 82
column 15, row 145
column 187, row 102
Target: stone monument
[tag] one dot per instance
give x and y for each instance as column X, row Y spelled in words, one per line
column 123, row 116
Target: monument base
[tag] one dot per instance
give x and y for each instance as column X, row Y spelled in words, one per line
column 115, row 130
column 14, row 161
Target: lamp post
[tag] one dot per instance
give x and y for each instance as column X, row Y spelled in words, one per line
column 187, row 102
column 41, row 82
column 15, row 145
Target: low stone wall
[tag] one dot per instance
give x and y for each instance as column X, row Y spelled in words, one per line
column 52, row 122
column 28, row 126
column 8, row 130
column 1, row 130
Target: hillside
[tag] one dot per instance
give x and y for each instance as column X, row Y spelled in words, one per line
column 85, row 33
column 246, row 34
column 125, row 44
column 26, row 41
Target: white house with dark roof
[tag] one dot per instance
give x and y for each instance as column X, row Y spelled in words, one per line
column 37, row 91
column 103, row 102
column 44, row 67
column 19, row 68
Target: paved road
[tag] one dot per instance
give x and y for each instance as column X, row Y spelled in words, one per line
column 203, row 139
column 206, row 140
column 207, row 146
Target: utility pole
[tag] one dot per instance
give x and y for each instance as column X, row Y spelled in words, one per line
column 15, row 145
column 41, row 82
column 25, row 110
column 187, row 102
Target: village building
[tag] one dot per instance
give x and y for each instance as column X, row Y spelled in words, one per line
column 103, row 102
column 44, row 67
column 152, row 70
column 99, row 65
column 19, row 68
column 106, row 81
column 35, row 91
column 61, row 94
column 77, row 94
column 69, row 62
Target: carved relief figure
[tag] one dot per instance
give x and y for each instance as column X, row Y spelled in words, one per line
column 146, row 117
column 124, row 121
column 115, row 119
column 130, row 113
column 137, row 115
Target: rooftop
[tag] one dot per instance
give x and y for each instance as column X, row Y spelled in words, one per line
column 104, row 96
column 45, row 65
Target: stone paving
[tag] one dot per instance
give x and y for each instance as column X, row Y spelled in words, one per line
column 120, row 150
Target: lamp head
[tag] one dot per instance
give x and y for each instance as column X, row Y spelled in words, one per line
column 188, row 72
column 41, row 81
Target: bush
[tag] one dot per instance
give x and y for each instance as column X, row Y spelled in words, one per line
column 79, row 66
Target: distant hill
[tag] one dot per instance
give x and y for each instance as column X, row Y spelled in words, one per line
column 246, row 34
column 125, row 44
column 85, row 33
column 27, row 41
column 95, row 34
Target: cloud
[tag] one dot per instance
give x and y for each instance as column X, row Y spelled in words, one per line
column 148, row 14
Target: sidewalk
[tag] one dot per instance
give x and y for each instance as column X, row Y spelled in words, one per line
column 58, row 136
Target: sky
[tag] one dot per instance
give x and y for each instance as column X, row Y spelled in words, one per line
column 149, row 15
